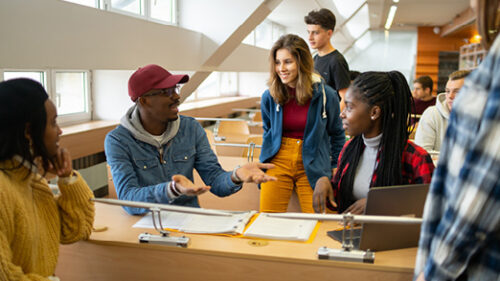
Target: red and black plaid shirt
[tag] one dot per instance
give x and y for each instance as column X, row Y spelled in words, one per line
column 417, row 167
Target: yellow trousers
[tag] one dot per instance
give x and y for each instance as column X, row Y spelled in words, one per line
column 289, row 170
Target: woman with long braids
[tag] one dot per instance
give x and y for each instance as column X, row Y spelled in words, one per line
column 33, row 222
column 377, row 117
column 303, row 133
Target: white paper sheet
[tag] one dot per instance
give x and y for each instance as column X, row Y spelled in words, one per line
column 279, row 228
column 194, row 223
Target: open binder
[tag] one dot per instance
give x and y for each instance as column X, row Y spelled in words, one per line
column 234, row 223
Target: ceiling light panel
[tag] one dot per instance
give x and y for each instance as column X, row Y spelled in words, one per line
column 390, row 16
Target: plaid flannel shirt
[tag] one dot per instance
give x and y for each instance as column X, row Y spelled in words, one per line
column 417, row 167
column 460, row 236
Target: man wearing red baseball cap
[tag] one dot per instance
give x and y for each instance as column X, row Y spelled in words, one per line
column 152, row 152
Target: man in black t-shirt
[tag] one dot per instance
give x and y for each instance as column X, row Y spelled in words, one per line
column 329, row 62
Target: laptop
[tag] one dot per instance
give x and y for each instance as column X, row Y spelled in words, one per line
column 404, row 200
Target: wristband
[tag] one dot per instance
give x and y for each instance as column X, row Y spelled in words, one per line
column 234, row 177
column 174, row 189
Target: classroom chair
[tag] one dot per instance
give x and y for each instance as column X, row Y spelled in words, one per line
column 255, row 152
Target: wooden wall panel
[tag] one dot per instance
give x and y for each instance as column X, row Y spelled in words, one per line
column 429, row 45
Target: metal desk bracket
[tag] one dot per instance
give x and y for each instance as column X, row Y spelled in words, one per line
column 164, row 237
column 347, row 253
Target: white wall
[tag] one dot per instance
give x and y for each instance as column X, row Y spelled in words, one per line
column 111, row 99
column 397, row 51
column 58, row 34
column 246, row 58
column 45, row 34
column 110, row 88
column 219, row 17
column 252, row 84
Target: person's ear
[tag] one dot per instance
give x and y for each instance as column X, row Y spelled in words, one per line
column 375, row 112
column 427, row 91
column 329, row 32
column 142, row 101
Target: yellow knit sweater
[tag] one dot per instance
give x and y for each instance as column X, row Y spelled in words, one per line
column 33, row 222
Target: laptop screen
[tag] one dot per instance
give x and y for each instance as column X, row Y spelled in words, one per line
column 404, row 200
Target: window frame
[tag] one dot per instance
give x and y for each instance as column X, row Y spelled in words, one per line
column 49, row 77
column 45, row 84
column 145, row 12
column 79, row 117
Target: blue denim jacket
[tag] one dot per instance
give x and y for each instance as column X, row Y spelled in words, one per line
column 140, row 175
column 324, row 136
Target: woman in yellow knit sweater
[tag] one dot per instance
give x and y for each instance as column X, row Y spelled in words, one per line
column 32, row 221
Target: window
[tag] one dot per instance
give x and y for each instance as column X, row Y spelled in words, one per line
column 217, row 84
column 278, row 31
column 130, row 6
column 359, row 23
column 69, row 90
column 263, row 35
column 209, row 87
column 89, row 3
column 163, row 10
column 250, row 39
column 228, row 83
column 35, row 75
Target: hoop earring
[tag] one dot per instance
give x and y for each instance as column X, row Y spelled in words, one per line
column 32, row 151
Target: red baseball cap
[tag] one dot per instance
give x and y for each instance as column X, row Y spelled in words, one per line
column 151, row 77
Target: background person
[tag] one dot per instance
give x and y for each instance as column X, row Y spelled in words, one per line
column 422, row 96
column 329, row 62
column 434, row 120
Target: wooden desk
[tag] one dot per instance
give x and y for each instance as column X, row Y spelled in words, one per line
column 116, row 254
column 86, row 138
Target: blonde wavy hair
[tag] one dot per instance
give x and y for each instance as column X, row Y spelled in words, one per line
column 300, row 51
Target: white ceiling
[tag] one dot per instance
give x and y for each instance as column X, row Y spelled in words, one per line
column 409, row 15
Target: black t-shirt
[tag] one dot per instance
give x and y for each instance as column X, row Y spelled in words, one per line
column 334, row 69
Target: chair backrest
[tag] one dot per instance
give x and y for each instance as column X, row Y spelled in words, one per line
column 257, row 116
column 256, row 151
column 239, row 127
column 111, row 186
column 412, row 134
column 211, row 140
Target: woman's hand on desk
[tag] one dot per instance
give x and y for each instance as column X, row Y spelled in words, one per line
column 186, row 187
column 357, row 208
column 253, row 172
column 322, row 192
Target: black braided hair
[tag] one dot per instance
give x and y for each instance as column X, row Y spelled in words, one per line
column 389, row 91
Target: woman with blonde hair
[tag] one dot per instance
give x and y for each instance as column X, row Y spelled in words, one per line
column 303, row 133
